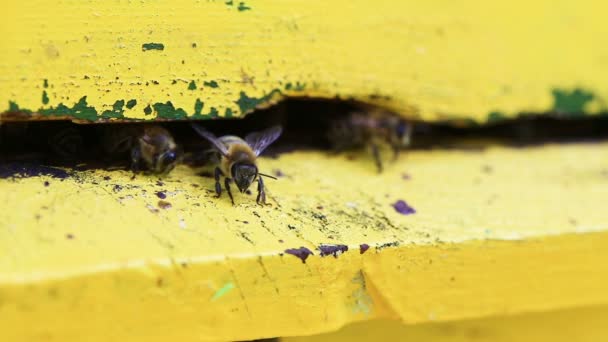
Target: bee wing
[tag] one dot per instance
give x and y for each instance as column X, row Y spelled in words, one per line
column 258, row 141
column 211, row 138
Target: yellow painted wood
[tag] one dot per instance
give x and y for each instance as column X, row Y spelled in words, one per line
column 498, row 231
column 584, row 324
column 433, row 60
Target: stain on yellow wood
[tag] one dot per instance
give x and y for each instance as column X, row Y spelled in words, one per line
column 434, row 60
column 581, row 324
column 498, row 231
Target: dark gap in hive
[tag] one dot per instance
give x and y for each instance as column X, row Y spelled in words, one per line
column 305, row 123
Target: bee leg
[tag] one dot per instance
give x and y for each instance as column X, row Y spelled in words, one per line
column 396, row 150
column 135, row 158
column 227, row 186
column 376, row 154
column 218, row 186
column 261, row 199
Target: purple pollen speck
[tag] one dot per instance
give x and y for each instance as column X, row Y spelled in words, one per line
column 161, row 195
column 302, row 253
column 403, row 208
column 363, row 248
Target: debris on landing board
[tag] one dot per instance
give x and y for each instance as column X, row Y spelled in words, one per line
column 302, row 253
column 334, row 250
column 403, row 208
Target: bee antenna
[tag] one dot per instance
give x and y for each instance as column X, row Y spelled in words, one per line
column 265, row 175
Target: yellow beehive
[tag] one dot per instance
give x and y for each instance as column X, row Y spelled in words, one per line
column 488, row 233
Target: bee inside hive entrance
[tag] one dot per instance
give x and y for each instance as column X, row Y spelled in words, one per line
column 306, row 124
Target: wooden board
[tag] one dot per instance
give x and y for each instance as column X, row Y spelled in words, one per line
column 473, row 61
column 488, row 232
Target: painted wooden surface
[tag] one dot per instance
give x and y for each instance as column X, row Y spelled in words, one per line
column 489, row 232
column 433, row 60
column 582, row 324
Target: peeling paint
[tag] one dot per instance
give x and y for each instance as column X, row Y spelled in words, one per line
column 45, row 97
column 80, row 110
column 116, row 112
column 168, row 111
column 571, row 102
column 211, row 84
column 152, row 46
column 148, row 110
column 198, row 107
column 496, row 116
column 247, row 104
column 131, row 103
column 242, row 7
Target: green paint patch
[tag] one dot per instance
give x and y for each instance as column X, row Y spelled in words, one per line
column 152, row 46
column 230, row 2
column 496, row 117
column 211, row 84
column 192, row 85
column 14, row 108
column 116, row 112
column 242, row 7
column 81, row 110
column 131, row 103
column 148, row 110
column 297, row 86
column 168, row 111
column 45, row 97
column 228, row 113
column 45, row 83
column 571, row 103
column 198, row 111
column 300, row 86
column 247, row 104
column 222, row 291
column 198, row 107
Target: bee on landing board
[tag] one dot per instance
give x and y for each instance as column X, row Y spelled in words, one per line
column 237, row 159
column 151, row 147
column 370, row 129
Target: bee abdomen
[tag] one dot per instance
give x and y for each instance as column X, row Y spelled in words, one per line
column 344, row 134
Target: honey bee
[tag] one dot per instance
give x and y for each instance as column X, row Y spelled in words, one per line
column 237, row 159
column 151, row 147
column 371, row 129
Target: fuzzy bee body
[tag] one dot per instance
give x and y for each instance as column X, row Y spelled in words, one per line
column 151, row 147
column 237, row 159
column 239, row 152
column 370, row 129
